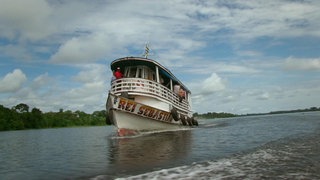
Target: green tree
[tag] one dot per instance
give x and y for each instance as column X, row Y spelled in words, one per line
column 21, row 108
column 36, row 119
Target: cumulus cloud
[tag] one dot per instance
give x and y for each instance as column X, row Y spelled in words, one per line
column 84, row 49
column 223, row 67
column 208, row 86
column 86, row 92
column 92, row 92
column 185, row 35
column 302, row 64
column 41, row 81
column 212, row 84
column 25, row 19
column 264, row 96
column 12, row 81
column 92, row 30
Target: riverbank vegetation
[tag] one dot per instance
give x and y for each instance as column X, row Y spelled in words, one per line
column 20, row 117
column 212, row 115
column 286, row 111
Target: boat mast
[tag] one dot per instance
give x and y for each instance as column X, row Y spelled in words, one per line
column 146, row 52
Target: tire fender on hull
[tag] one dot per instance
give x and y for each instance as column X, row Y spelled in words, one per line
column 194, row 122
column 174, row 114
column 189, row 120
column 184, row 121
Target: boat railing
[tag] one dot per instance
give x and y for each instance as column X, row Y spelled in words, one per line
column 149, row 88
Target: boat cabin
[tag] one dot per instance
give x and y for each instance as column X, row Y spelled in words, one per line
column 146, row 77
column 152, row 71
column 135, row 67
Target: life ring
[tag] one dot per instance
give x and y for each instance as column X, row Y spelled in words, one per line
column 174, row 114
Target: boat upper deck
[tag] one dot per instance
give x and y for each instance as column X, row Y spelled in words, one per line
column 147, row 77
column 147, row 68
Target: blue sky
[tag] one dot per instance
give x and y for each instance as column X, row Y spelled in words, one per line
column 240, row 57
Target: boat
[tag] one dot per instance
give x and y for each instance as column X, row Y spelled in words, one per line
column 146, row 96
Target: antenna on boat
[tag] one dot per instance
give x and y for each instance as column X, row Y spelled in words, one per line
column 146, row 51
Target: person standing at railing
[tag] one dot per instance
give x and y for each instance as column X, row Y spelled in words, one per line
column 118, row 74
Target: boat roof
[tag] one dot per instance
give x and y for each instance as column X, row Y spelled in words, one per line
column 136, row 61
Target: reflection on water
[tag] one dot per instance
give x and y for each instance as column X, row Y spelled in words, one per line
column 150, row 150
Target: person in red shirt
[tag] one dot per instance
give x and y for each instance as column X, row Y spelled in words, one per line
column 118, row 74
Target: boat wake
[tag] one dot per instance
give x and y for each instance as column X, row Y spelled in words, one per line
column 213, row 125
column 283, row 159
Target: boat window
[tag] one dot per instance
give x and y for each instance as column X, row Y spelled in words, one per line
column 130, row 72
column 152, row 75
column 146, row 73
column 126, row 71
column 133, row 71
column 139, row 73
column 149, row 74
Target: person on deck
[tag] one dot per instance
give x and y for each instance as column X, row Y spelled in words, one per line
column 118, row 74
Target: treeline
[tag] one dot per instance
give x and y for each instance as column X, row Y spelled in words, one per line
column 287, row 111
column 212, row 115
column 20, row 117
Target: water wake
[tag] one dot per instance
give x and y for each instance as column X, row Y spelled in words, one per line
column 293, row 159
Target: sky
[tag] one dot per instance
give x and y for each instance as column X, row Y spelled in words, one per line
column 236, row 56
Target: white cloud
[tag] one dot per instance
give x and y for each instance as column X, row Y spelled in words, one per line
column 249, row 53
column 12, row 81
column 212, row 84
column 41, row 80
column 302, row 64
column 86, row 32
column 87, row 92
column 222, row 67
column 18, row 52
column 92, row 92
column 208, row 86
column 184, row 35
column 82, row 49
column 264, row 96
column 27, row 19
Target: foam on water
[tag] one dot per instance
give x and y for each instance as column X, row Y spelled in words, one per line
column 293, row 159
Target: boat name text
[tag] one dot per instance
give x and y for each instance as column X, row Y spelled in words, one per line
column 142, row 110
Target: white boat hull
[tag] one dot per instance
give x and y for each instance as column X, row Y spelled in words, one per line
column 130, row 115
column 124, row 120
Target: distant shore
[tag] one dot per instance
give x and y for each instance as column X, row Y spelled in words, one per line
column 212, row 115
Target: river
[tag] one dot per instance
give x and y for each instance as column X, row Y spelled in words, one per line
column 283, row 146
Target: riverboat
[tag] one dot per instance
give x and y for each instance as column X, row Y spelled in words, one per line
column 146, row 96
